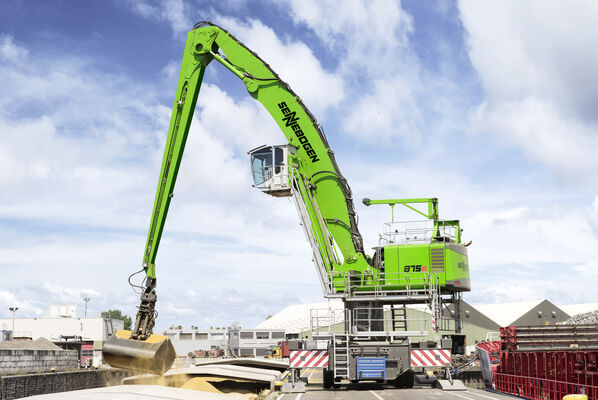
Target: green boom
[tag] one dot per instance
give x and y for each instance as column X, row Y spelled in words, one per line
column 333, row 195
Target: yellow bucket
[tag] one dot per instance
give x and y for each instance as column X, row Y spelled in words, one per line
column 154, row 355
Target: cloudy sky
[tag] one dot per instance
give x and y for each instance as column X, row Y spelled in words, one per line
column 489, row 106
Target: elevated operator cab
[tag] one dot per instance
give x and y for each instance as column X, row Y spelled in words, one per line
column 270, row 169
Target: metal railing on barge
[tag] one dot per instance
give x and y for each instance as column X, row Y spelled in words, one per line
column 547, row 362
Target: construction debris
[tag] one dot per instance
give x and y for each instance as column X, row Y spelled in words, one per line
column 460, row 360
column 590, row 317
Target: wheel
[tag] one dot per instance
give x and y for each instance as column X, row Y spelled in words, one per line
column 328, row 378
column 405, row 380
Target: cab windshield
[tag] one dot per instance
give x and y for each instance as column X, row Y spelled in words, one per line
column 261, row 166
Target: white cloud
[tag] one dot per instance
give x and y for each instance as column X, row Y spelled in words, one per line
column 81, row 150
column 26, row 306
column 536, row 64
column 87, row 186
column 69, row 133
column 10, row 52
column 523, row 236
column 318, row 87
column 35, row 300
column 547, row 236
column 66, row 295
column 387, row 88
column 8, row 298
column 592, row 214
column 370, row 40
column 390, row 110
column 174, row 12
column 370, row 36
column 537, row 126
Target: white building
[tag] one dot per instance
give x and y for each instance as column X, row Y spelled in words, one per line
column 59, row 328
column 232, row 341
column 63, row 324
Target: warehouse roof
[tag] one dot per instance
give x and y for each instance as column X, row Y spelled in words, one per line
column 573, row 309
column 296, row 318
column 505, row 313
column 533, row 312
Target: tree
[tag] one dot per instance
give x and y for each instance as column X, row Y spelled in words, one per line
column 117, row 314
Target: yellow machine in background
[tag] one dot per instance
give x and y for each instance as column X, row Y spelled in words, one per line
column 273, row 352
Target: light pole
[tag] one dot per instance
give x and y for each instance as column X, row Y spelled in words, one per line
column 14, row 310
column 86, row 300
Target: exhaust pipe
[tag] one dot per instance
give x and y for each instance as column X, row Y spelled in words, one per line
column 154, row 355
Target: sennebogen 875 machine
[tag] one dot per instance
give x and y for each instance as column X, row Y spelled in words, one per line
column 408, row 267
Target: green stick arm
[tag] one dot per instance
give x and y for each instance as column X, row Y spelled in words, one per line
column 190, row 79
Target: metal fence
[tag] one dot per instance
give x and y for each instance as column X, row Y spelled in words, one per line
column 366, row 321
column 540, row 388
column 381, row 284
column 417, row 231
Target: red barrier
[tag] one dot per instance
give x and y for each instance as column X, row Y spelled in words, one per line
column 493, row 349
column 567, row 366
column 541, row 389
column 548, row 362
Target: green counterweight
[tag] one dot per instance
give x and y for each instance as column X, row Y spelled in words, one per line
column 411, row 256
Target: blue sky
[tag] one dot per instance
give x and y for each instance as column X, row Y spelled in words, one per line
column 489, row 106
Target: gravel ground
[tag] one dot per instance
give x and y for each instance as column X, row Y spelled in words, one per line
column 37, row 344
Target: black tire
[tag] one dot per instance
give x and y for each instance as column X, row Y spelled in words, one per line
column 405, row 380
column 328, row 378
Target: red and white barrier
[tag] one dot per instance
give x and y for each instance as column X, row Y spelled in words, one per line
column 430, row 358
column 308, row 359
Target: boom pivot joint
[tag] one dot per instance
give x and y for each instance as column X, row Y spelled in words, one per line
column 146, row 315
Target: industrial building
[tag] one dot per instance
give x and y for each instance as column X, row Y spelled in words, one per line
column 300, row 321
column 62, row 327
column 232, row 341
column 537, row 312
column 480, row 322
